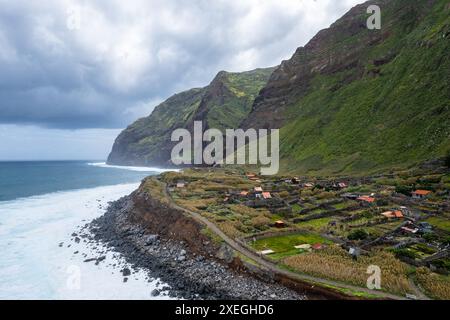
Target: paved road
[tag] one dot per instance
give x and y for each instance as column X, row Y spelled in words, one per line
column 272, row 267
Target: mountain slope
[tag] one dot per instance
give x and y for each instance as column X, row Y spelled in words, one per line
column 357, row 100
column 222, row 104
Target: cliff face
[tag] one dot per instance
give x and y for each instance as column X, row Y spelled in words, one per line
column 157, row 217
column 222, row 104
column 352, row 100
column 147, row 141
column 355, row 100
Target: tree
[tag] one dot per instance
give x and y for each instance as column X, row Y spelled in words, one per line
column 359, row 234
column 447, row 159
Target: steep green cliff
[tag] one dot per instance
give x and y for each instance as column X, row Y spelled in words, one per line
column 222, row 104
column 352, row 100
column 357, row 100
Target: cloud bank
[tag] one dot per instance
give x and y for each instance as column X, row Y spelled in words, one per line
column 101, row 64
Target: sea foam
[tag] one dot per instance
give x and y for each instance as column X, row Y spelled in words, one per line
column 141, row 169
column 34, row 266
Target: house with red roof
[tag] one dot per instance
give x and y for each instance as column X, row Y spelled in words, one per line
column 420, row 194
column 366, row 199
column 396, row 214
column 317, row 246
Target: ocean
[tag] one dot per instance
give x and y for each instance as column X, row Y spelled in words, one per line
column 41, row 204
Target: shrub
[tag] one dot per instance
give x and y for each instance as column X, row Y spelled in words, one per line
column 446, row 240
column 442, row 264
column 447, row 159
column 261, row 222
column 404, row 253
column 306, row 193
column 284, row 194
column 382, row 202
column 403, row 190
column 430, row 237
column 359, row 234
column 434, row 284
column 335, row 263
column 229, row 229
column 326, row 195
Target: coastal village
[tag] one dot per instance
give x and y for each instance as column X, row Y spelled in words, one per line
column 333, row 228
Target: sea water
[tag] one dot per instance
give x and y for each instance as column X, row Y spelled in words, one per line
column 41, row 205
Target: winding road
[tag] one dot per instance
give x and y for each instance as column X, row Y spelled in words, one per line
column 272, row 267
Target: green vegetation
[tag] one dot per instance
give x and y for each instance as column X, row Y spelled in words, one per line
column 227, row 109
column 447, row 159
column 222, row 104
column 286, row 243
column 355, row 121
column 359, row 234
column 211, row 235
column 440, row 222
column 335, row 263
column 156, row 189
column 215, row 194
column 315, row 224
column 436, row 285
column 408, row 253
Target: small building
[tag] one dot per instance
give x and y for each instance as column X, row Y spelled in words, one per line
column 280, row 224
column 295, row 180
column 393, row 214
column 266, row 195
column 317, row 246
column 366, row 199
column 181, row 185
column 266, row 252
column 350, row 196
column 425, row 227
column 258, row 190
column 308, row 185
column 303, row 247
column 342, row 185
column 410, row 230
column 405, row 211
column 244, row 193
column 420, row 194
column 354, row 252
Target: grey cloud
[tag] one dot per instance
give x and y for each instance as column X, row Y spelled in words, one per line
column 128, row 55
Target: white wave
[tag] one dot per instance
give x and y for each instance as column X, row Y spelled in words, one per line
column 141, row 169
column 33, row 266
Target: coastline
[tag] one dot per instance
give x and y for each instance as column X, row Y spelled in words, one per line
column 190, row 273
column 38, row 264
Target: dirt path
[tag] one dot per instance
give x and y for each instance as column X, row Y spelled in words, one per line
column 417, row 291
column 272, row 267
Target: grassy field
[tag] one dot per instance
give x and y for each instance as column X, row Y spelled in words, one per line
column 336, row 264
column 316, row 224
column 284, row 245
column 440, row 222
column 215, row 195
column 437, row 286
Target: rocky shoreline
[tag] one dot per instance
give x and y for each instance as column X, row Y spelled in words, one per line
column 189, row 275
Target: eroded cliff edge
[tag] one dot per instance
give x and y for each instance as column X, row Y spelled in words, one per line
column 152, row 235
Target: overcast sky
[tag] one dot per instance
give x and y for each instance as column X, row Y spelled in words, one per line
column 73, row 73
